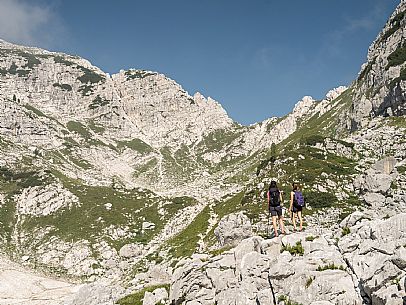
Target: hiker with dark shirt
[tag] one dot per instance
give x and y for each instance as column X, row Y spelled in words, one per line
column 296, row 205
column 274, row 207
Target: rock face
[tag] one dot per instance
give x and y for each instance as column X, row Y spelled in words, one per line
column 375, row 251
column 380, row 88
column 42, row 201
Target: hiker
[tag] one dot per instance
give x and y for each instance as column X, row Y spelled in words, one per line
column 274, row 207
column 296, row 205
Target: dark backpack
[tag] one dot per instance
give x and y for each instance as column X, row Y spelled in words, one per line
column 299, row 199
column 274, row 198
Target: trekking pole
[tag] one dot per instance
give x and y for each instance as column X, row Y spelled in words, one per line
column 267, row 228
column 273, row 293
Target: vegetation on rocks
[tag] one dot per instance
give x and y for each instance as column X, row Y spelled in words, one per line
column 137, row 297
column 287, row 300
column 331, row 266
column 138, row 74
column 98, row 102
column 65, row 87
column 395, row 24
column 345, row 231
column 136, row 145
column 397, row 57
column 297, row 249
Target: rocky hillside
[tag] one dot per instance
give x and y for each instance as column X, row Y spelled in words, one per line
column 129, row 179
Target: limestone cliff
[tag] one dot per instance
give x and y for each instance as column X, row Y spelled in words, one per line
column 380, row 87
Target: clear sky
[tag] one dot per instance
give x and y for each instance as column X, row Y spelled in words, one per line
column 257, row 57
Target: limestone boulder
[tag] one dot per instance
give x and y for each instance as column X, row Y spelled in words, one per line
column 232, row 229
column 131, row 250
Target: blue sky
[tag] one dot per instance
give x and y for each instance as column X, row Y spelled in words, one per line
column 257, row 58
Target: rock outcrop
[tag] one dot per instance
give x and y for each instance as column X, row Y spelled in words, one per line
column 380, row 87
column 232, row 229
column 367, row 265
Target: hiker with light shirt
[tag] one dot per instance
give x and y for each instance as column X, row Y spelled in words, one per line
column 296, row 205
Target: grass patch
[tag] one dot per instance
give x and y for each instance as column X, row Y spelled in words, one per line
column 35, row 110
column 397, row 121
column 330, row 267
column 184, row 244
column 97, row 128
column 135, row 144
column 78, row 128
column 137, row 297
column 310, row 238
column 313, row 140
column 12, row 182
column 297, row 249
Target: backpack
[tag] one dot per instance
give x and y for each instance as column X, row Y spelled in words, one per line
column 274, row 198
column 299, row 199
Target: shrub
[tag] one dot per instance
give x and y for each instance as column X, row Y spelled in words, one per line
column 294, row 250
column 345, row 231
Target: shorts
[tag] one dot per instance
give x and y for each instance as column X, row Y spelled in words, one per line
column 275, row 211
column 296, row 209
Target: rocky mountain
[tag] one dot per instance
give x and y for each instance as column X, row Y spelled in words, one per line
column 133, row 186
